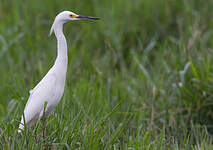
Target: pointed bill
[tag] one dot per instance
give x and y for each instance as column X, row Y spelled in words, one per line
column 87, row 17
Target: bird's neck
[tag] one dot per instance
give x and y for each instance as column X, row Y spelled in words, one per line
column 62, row 58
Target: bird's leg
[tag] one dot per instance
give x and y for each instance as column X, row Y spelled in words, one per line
column 43, row 127
column 35, row 130
column 44, row 121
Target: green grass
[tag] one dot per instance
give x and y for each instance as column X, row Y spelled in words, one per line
column 140, row 78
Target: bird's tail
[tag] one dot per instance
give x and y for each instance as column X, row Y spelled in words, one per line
column 21, row 125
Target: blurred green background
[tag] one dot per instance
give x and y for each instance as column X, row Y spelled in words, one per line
column 139, row 78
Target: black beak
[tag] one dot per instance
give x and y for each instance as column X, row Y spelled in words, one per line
column 87, row 17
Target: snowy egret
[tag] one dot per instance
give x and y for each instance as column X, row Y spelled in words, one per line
column 51, row 88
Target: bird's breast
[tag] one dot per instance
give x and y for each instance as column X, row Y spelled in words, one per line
column 60, row 83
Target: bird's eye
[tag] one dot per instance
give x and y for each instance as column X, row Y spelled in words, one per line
column 72, row 16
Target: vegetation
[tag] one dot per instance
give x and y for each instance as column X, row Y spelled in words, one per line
column 140, row 78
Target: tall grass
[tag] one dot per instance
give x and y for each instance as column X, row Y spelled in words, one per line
column 140, row 78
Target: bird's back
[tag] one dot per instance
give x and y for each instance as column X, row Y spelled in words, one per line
column 49, row 90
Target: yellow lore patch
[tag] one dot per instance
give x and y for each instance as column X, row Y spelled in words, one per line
column 73, row 16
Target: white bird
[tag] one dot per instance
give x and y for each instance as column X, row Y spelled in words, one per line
column 51, row 88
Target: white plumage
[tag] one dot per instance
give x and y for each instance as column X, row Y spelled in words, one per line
column 51, row 88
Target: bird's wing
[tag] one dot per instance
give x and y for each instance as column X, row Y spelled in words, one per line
column 44, row 91
column 32, row 90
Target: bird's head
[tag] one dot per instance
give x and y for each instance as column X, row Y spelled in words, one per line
column 66, row 16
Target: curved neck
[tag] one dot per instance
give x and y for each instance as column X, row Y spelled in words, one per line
column 61, row 44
